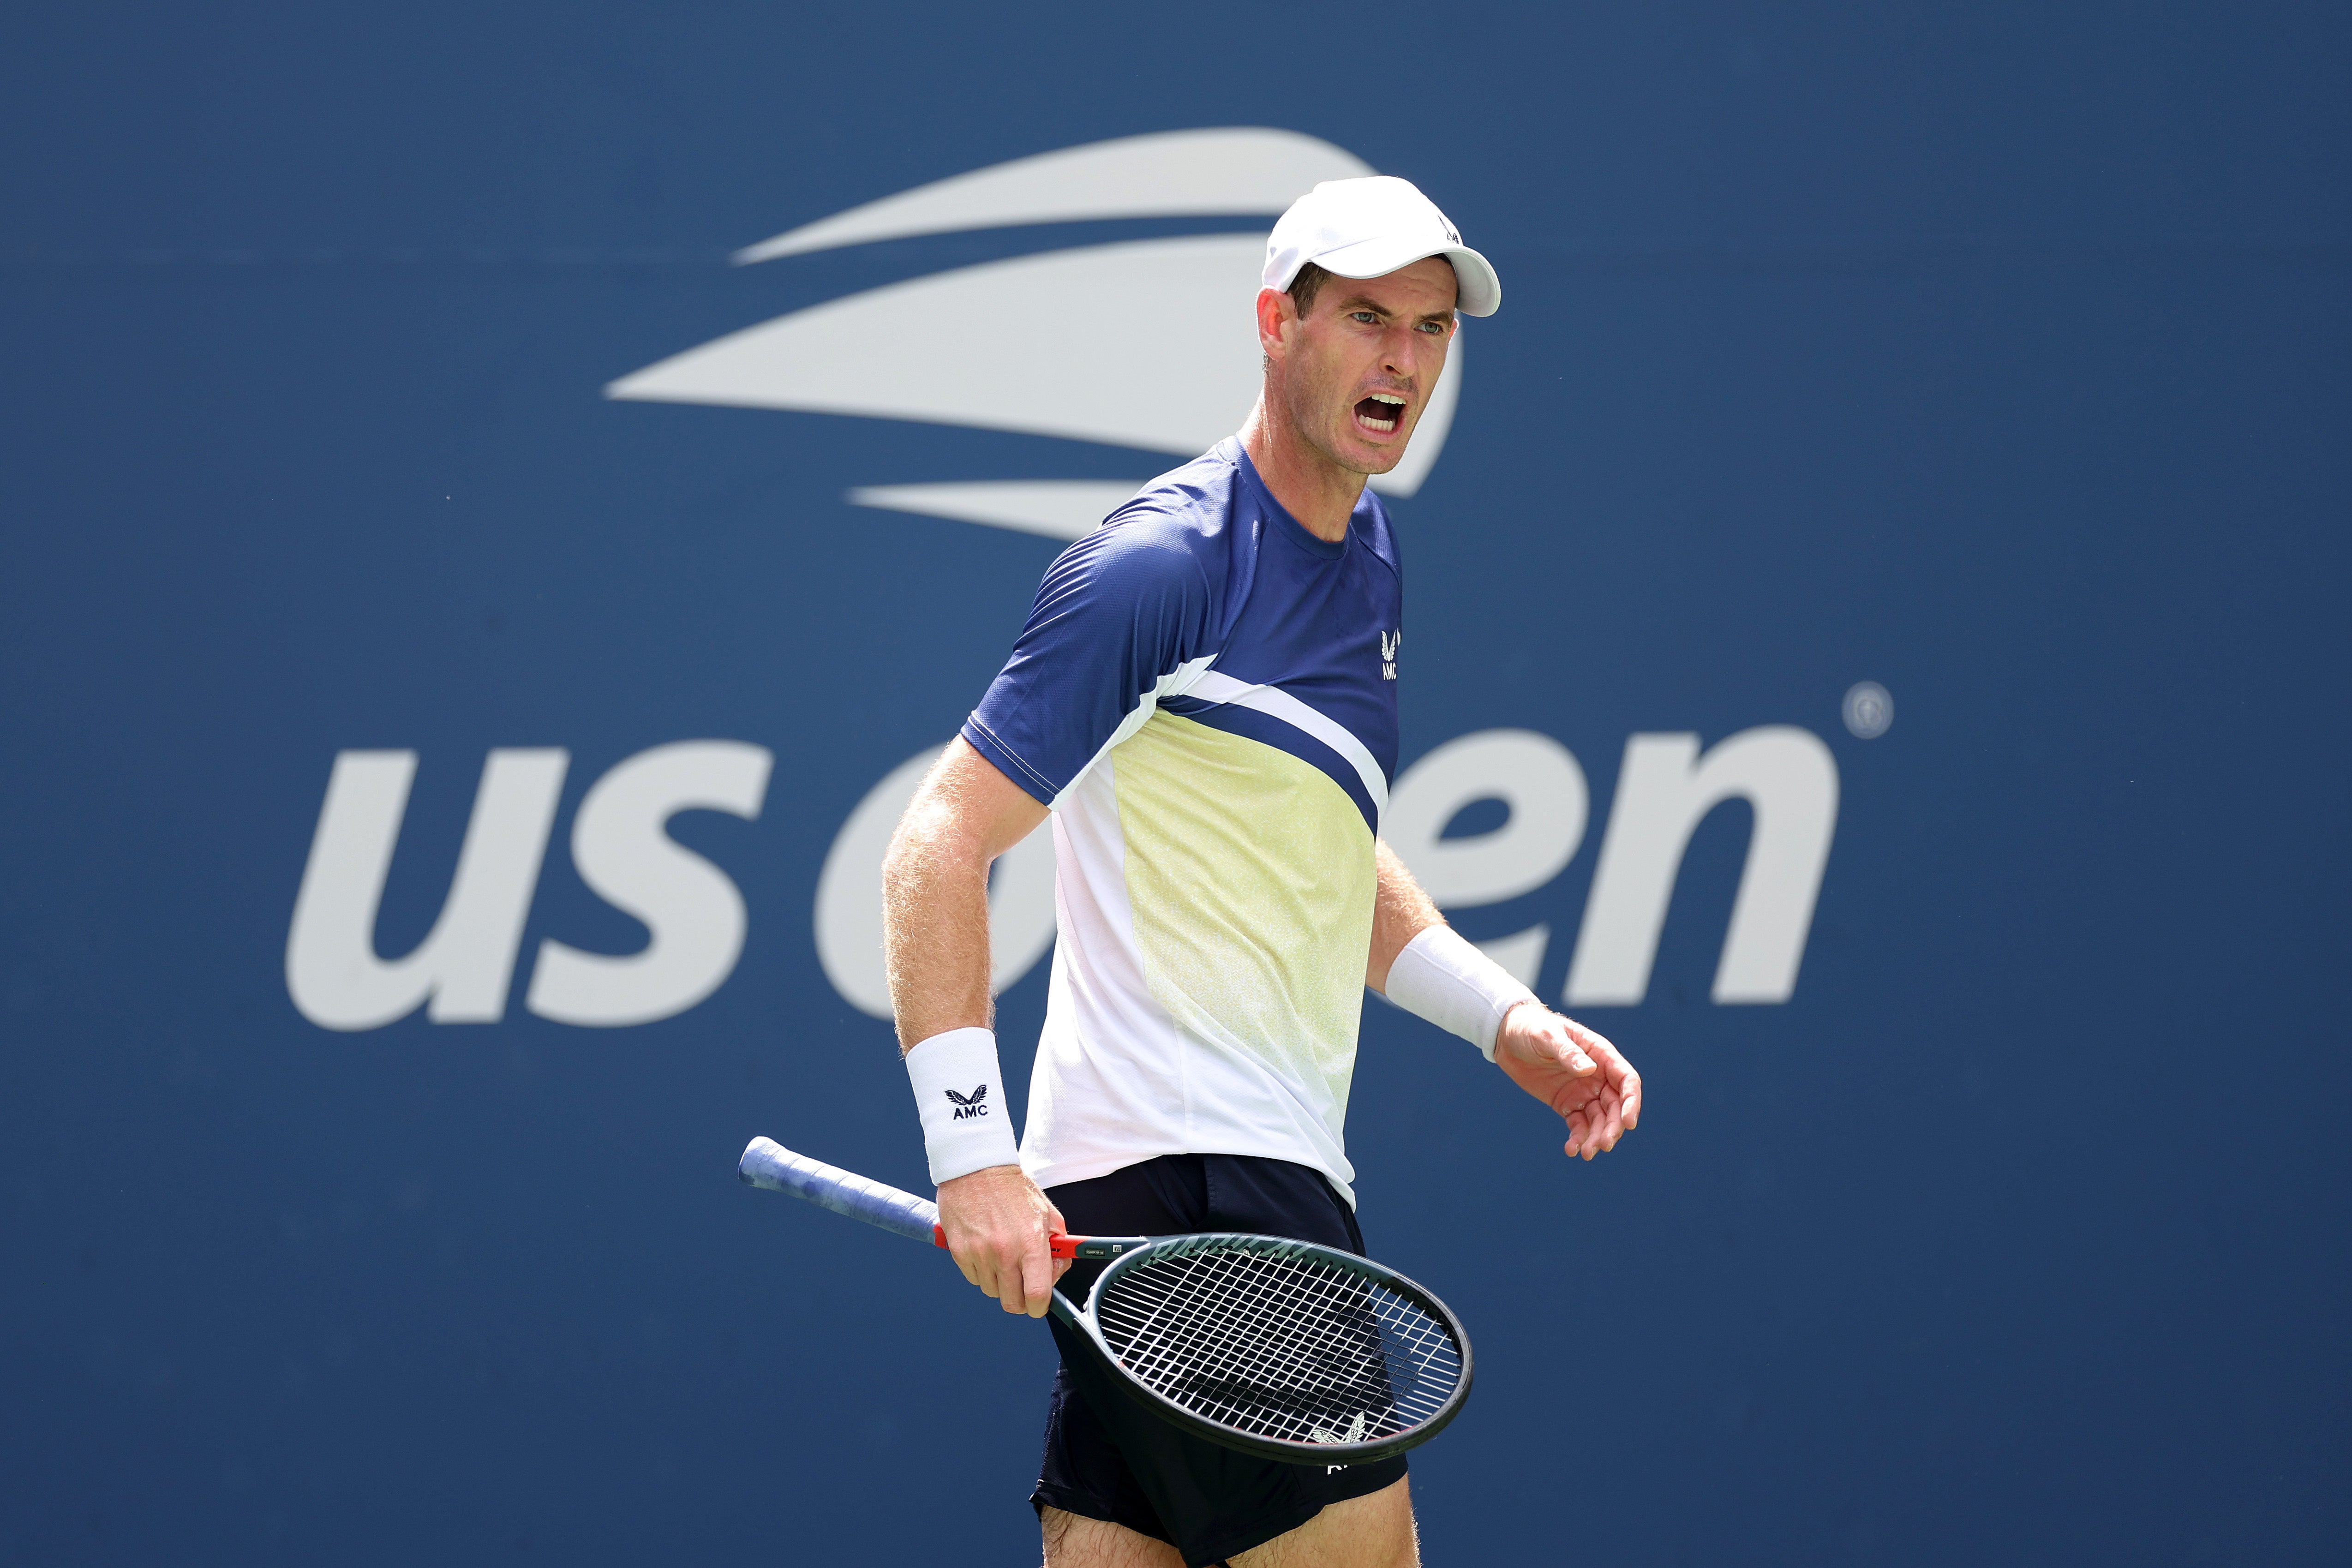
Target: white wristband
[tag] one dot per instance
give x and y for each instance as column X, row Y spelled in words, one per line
column 960, row 1094
column 1443, row 979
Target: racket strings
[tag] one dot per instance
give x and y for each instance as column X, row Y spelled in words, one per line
column 1294, row 1348
column 1295, row 1352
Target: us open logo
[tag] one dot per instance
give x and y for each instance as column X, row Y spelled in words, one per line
column 931, row 351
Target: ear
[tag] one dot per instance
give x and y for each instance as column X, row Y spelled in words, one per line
column 1277, row 315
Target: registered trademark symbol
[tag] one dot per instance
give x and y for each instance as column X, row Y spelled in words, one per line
column 1869, row 710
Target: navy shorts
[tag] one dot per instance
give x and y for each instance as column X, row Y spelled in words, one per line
column 1107, row 1457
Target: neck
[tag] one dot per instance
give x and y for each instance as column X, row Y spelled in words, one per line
column 1313, row 489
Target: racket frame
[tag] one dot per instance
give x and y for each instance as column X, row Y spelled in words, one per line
column 768, row 1164
column 1132, row 1258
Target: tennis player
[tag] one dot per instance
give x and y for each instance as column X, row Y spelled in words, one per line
column 1204, row 701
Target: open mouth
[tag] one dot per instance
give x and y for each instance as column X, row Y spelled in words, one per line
column 1381, row 413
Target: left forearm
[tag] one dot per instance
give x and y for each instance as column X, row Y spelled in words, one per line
column 1464, row 992
column 1400, row 911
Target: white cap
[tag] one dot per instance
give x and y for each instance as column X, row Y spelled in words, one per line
column 1368, row 228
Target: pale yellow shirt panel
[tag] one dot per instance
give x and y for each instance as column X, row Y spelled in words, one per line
column 1250, row 877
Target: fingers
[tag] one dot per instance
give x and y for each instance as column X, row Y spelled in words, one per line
column 1024, row 1268
column 1533, row 1032
column 1597, row 1046
column 1625, row 1092
column 997, row 1221
column 1612, row 1118
column 979, row 1259
column 1013, row 1269
column 1056, row 1226
column 1561, row 1044
column 1037, row 1276
column 1571, row 1050
column 1029, row 1282
column 1622, row 1079
column 1583, row 1077
column 1595, row 1125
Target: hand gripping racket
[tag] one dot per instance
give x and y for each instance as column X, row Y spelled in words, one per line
column 1281, row 1349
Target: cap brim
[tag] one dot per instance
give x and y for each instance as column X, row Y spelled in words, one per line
column 1480, row 293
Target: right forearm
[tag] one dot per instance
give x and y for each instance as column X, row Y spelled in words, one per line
column 935, row 927
column 935, row 944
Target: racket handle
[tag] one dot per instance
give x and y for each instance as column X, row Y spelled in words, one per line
column 1080, row 1249
column 768, row 1164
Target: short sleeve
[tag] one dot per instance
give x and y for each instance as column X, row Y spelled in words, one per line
column 1118, row 609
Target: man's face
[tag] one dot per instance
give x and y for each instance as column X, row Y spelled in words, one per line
column 1356, row 372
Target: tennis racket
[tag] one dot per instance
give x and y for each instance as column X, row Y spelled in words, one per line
column 1281, row 1349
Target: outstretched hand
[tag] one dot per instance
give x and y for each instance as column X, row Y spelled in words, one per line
column 1575, row 1071
column 996, row 1223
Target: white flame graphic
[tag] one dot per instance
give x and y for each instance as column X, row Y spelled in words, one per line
column 1147, row 344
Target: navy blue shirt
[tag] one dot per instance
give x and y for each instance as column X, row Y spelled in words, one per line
column 1205, row 695
column 1204, row 562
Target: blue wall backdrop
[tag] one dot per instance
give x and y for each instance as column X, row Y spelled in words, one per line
column 1993, row 353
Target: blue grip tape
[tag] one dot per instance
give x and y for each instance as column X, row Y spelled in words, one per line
column 768, row 1164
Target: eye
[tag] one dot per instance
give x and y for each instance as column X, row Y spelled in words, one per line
column 1435, row 329
column 1364, row 316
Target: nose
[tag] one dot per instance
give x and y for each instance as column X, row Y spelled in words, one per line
column 1400, row 351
